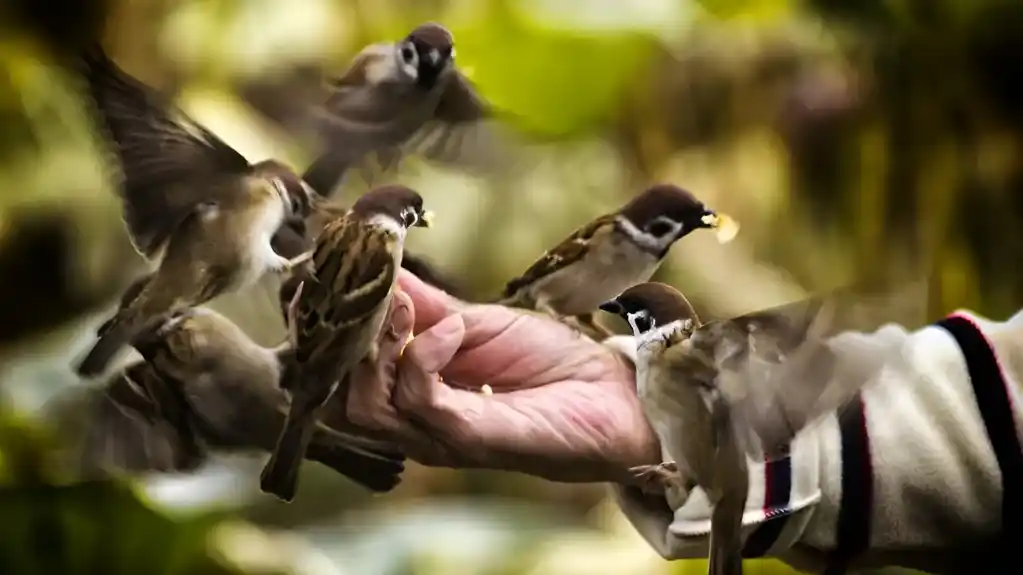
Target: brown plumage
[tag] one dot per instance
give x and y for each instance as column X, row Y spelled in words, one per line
column 720, row 392
column 607, row 255
column 400, row 98
column 191, row 202
column 204, row 387
column 337, row 315
column 300, row 236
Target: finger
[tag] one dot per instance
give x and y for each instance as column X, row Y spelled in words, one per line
column 434, row 348
column 431, row 304
column 369, row 403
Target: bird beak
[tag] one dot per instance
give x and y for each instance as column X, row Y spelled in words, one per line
column 612, row 307
column 425, row 219
column 725, row 227
column 434, row 56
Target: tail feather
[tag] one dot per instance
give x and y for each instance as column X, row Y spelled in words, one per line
column 376, row 472
column 280, row 476
column 726, row 539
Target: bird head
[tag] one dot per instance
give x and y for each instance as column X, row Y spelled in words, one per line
column 664, row 214
column 293, row 192
column 427, row 53
column 651, row 305
column 400, row 204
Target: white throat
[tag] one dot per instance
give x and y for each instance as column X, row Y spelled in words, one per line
column 651, row 243
column 660, row 333
column 388, row 224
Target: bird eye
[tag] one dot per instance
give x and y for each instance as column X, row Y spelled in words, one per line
column 409, row 218
column 641, row 322
column 661, row 227
column 408, row 54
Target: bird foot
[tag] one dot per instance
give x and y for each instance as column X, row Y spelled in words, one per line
column 292, row 315
column 288, row 265
column 657, row 478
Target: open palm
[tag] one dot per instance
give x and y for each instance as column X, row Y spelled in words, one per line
column 564, row 407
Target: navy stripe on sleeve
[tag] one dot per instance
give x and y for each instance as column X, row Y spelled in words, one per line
column 857, row 501
column 995, row 405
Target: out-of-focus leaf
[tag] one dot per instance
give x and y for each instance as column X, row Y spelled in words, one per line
column 62, row 246
column 557, row 82
column 754, row 10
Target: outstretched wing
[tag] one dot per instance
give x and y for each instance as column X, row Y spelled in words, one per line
column 169, row 164
column 783, row 368
column 122, row 427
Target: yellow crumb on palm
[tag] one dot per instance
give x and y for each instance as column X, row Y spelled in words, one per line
column 486, row 390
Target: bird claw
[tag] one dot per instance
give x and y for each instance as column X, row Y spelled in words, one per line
column 657, row 478
column 286, row 265
column 292, row 314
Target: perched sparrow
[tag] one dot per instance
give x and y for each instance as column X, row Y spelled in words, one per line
column 205, row 385
column 300, row 236
column 721, row 392
column 337, row 314
column 191, row 202
column 397, row 98
column 611, row 253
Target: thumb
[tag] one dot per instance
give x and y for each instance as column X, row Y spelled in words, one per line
column 431, row 304
column 431, row 350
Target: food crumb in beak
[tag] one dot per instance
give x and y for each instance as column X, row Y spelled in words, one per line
column 725, row 227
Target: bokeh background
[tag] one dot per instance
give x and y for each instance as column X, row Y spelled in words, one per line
column 852, row 140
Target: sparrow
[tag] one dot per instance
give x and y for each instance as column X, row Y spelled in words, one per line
column 719, row 393
column 611, row 253
column 300, row 236
column 205, row 387
column 337, row 313
column 192, row 204
column 396, row 98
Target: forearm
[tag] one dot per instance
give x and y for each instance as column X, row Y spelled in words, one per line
column 908, row 476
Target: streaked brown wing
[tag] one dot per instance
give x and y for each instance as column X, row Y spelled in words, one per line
column 570, row 250
column 346, row 291
column 167, row 160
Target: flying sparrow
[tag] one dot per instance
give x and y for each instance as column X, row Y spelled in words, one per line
column 337, row 314
column 719, row 393
column 204, row 387
column 397, row 98
column 611, row 253
column 191, row 203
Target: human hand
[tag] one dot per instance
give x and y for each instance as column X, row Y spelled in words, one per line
column 564, row 407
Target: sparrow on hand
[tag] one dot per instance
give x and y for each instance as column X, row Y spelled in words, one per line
column 191, row 203
column 337, row 313
column 719, row 393
column 611, row 253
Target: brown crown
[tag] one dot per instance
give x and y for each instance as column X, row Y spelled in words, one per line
column 665, row 200
column 432, row 35
column 664, row 303
column 390, row 200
